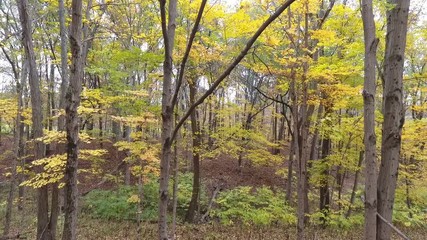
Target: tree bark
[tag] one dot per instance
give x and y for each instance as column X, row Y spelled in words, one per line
column 72, row 122
column 355, row 184
column 290, row 172
column 394, row 111
column 16, row 143
column 37, row 114
column 197, row 140
column 369, row 120
column 168, row 30
column 324, row 184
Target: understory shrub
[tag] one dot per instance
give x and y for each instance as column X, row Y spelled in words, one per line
column 121, row 203
column 260, row 206
column 411, row 210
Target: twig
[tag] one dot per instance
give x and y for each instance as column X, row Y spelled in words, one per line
column 400, row 233
column 216, row 191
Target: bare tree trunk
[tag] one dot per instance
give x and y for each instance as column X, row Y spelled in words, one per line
column 175, row 188
column 290, row 172
column 324, row 184
column 140, row 207
column 17, row 138
column 54, row 206
column 37, row 114
column 355, row 184
column 296, row 146
column 394, row 111
column 72, row 122
column 55, row 209
column 126, row 164
column 22, row 149
column 369, row 91
column 197, row 141
column 168, row 30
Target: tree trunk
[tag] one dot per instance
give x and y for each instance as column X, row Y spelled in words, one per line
column 394, row 112
column 22, row 149
column 37, row 114
column 324, row 184
column 16, row 143
column 168, row 30
column 300, row 177
column 197, row 141
column 356, row 182
column 72, row 122
column 127, row 132
column 369, row 120
column 139, row 219
column 54, row 207
column 290, row 172
column 175, row 187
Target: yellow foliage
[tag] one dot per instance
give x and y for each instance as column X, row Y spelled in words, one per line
column 53, row 167
column 134, row 199
column 8, row 109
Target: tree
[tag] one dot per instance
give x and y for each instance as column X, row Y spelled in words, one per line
column 394, row 111
column 369, row 91
column 72, row 122
column 37, row 115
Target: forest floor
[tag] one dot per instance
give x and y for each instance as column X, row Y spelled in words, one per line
column 222, row 171
column 97, row 229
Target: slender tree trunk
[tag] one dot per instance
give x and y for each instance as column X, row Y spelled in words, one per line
column 197, row 138
column 168, row 30
column 22, row 149
column 13, row 180
column 355, row 184
column 324, row 184
column 300, row 177
column 54, row 207
column 72, row 122
column 369, row 91
column 127, row 137
column 290, row 172
column 140, row 207
column 394, row 112
column 175, row 187
column 37, row 114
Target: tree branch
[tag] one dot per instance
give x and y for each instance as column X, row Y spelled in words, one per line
column 273, row 99
column 230, row 68
column 187, row 52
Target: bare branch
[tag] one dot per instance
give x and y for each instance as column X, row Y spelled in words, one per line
column 187, row 52
column 236, row 61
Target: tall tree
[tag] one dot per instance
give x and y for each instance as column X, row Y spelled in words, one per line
column 371, row 43
column 72, row 122
column 37, row 114
column 394, row 111
column 168, row 30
